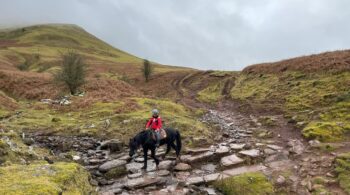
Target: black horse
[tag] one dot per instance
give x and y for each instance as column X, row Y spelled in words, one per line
column 147, row 140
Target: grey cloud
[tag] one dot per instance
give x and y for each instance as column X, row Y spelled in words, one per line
column 205, row 34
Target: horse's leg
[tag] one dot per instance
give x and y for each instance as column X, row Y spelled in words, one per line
column 176, row 149
column 168, row 148
column 153, row 155
column 145, row 151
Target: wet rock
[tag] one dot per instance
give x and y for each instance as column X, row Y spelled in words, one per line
column 244, row 169
column 253, row 153
column 76, row 158
column 314, row 143
column 113, row 145
column 296, row 146
column 182, row 167
column 111, row 164
column 139, row 159
column 95, row 161
column 182, row 176
column 163, row 173
column 194, row 181
column 237, row 146
column 166, row 164
column 280, row 180
column 143, row 182
column 135, row 167
column 134, row 175
column 199, row 157
column 211, row 177
column 230, row 160
column 222, row 150
column 269, row 151
column 274, row 147
column 125, row 157
column 277, row 157
column 209, row 167
column 197, row 150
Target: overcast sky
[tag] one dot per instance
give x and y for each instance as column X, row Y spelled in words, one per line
column 205, row 34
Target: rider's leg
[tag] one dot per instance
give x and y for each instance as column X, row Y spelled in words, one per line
column 158, row 138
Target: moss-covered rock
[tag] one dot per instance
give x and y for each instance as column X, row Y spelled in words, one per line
column 247, row 184
column 116, row 172
column 343, row 169
column 41, row 178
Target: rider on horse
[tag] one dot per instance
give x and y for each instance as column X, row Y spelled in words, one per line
column 155, row 124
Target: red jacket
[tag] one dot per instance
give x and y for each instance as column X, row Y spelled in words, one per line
column 154, row 123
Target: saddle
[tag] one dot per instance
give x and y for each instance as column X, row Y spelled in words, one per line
column 163, row 134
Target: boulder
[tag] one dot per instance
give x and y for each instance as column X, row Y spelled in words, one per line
column 111, row 164
column 230, row 160
column 113, row 145
column 182, row 167
column 166, row 164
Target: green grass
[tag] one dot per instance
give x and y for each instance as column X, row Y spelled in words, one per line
column 127, row 118
column 247, row 184
column 343, row 169
column 42, row 178
column 212, row 93
column 320, row 100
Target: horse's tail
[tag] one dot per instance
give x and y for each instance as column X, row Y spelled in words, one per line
column 178, row 140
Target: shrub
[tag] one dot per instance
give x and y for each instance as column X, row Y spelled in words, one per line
column 73, row 71
column 147, row 69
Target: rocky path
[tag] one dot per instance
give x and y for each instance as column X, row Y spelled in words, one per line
column 290, row 166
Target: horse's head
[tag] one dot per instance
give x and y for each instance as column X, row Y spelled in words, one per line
column 133, row 145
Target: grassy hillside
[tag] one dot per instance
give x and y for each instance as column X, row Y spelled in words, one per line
column 312, row 91
column 29, row 55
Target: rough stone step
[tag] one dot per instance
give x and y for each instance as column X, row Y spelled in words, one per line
column 197, row 150
column 194, row 180
column 230, row 160
column 237, row 146
column 182, row 167
column 274, row 147
column 143, row 182
column 111, row 164
column 244, row 169
column 196, row 158
column 253, row 153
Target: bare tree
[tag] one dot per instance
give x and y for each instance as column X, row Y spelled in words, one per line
column 147, row 69
column 73, row 71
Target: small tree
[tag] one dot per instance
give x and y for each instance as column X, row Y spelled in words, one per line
column 73, row 71
column 147, row 69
